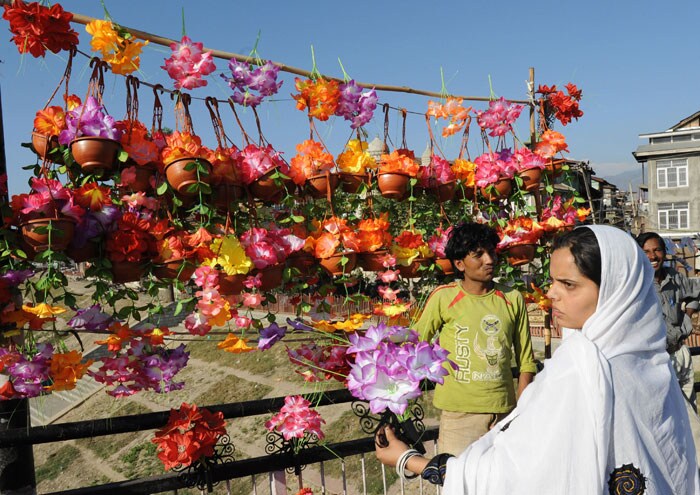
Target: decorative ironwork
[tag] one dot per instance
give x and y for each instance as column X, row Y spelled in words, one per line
column 409, row 430
column 276, row 444
column 199, row 474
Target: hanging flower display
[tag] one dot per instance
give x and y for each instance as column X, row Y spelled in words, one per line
column 464, row 170
column 190, row 434
column 551, row 143
column 492, row 167
column 438, row 241
column 520, row 230
column 408, row 246
column 318, row 95
column 256, row 161
column 373, row 233
column 451, row 110
column 355, row 105
column 250, row 86
column 563, row 106
column 50, row 121
column 561, row 214
column 188, row 64
column 89, row 119
column 499, row 118
column 355, row 159
column 436, row 173
column 117, row 46
column 36, row 28
column 311, row 159
column 399, row 161
column 179, row 145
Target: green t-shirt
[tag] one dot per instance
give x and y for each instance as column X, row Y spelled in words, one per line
column 480, row 333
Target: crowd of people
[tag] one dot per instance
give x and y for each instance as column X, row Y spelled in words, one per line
column 613, row 411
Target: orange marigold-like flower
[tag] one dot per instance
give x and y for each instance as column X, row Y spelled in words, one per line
column 50, row 121
column 373, row 233
column 551, row 143
column 311, row 159
column 66, row 369
column 119, row 49
column 235, row 345
column 184, row 145
column 464, row 171
column 400, row 160
column 319, row 96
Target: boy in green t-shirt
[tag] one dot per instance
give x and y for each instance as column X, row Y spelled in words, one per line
column 480, row 323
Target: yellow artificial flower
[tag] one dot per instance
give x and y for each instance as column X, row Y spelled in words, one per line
column 404, row 256
column 105, row 38
column 123, row 54
column 128, row 59
column 231, row 256
column 355, row 159
column 392, row 309
column 235, row 345
column 43, row 310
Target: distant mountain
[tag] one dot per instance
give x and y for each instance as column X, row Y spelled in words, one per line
column 623, row 179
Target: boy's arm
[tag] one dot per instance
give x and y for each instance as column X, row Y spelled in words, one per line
column 522, row 343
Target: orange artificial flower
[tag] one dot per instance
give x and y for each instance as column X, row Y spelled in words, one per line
column 156, row 335
column 401, row 160
column 464, row 171
column 51, row 121
column 66, row 369
column 318, row 95
column 43, row 310
column 539, row 297
column 311, row 159
column 119, row 336
column 355, row 159
column 137, row 143
column 582, row 213
column 235, row 345
column 551, row 143
column 93, row 196
column 325, row 245
column 184, row 145
column 452, row 109
column 121, row 52
column 373, row 233
column 226, row 165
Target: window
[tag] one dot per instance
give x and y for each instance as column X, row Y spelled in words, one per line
column 672, row 173
column 673, row 216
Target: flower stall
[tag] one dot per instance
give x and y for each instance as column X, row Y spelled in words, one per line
column 231, row 228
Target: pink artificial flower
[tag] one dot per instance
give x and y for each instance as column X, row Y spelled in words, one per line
column 242, row 321
column 389, row 276
column 388, row 260
column 196, row 324
column 212, row 305
column 206, row 277
column 139, row 199
column 188, row 64
column 251, row 282
column 257, row 161
column 388, row 293
column 251, row 300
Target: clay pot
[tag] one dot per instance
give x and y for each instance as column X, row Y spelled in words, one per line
column 497, row 191
column 43, row 145
column 351, row 182
column 95, row 155
column 464, row 192
column 174, row 270
column 520, row 254
column 302, row 261
column 322, row 186
column 127, row 271
column 333, row 264
column 231, row 285
column 531, row 178
column 554, row 169
column 180, row 178
column 444, row 192
column 413, row 270
column 62, row 233
column 271, row 277
column 225, row 194
column 80, row 254
column 394, row 185
column 372, row 261
column 445, row 266
column 267, row 188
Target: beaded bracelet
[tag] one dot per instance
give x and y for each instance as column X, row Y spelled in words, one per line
column 401, row 464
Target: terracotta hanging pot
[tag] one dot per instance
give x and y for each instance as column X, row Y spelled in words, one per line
column 498, row 190
column 271, row 276
column 319, row 186
column 520, row 254
column 226, row 194
column 445, row 266
column 142, row 182
column 444, row 192
column 464, row 192
column 531, row 178
column 302, row 261
column 351, row 183
column 372, row 261
column 127, row 271
column 266, row 188
column 394, row 185
column 231, row 285
column 37, row 238
column 554, row 168
column 334, row 266
column 81, row 254
column 180, row 178
column 413, row 270
column 43, row 145
column 95, row 155
column 179, row 269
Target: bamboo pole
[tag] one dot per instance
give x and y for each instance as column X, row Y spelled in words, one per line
column 160, row 40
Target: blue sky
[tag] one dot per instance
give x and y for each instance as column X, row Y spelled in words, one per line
column 636, row 62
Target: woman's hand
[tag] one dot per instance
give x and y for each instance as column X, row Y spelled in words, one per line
column 389, row 454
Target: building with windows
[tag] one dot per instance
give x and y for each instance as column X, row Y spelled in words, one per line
column 672, row 158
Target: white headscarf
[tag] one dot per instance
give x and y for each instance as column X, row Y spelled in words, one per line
column 606, row 406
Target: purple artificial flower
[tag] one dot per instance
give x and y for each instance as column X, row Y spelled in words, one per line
column 426, row 362
column 354, row 105
column 270, row 335
column 251, row 86
column 91, row 319
column 300, row 325
column 27, row 375
column 15, row 277
column 89, row 119
column 390, row 390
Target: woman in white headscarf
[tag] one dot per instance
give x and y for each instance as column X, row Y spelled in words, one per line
column 606, row 415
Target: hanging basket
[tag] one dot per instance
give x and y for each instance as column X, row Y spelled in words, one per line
column 271, row 276
column 520, row 254
column 95, row 155
column 268, row 189
column 531, row 178
column 180, row 178
column 463, row 192
column 302, row 261
column 413, row 270
column 43, row 145
column 225, row 194
column 81, row 254
column 37, row 239
column 497, row 191
column 322, row 185
column 351, row 183
column 333, row 265
column 127, row 271
column 181, row 270
column 231, row 285
column 445, row 266
column 372, row 261
column 554, row 168
column 443, row 192
column 394, row 185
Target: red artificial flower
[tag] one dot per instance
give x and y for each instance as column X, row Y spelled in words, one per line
column 37, row 28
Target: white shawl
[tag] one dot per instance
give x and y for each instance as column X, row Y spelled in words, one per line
column 607, row 398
